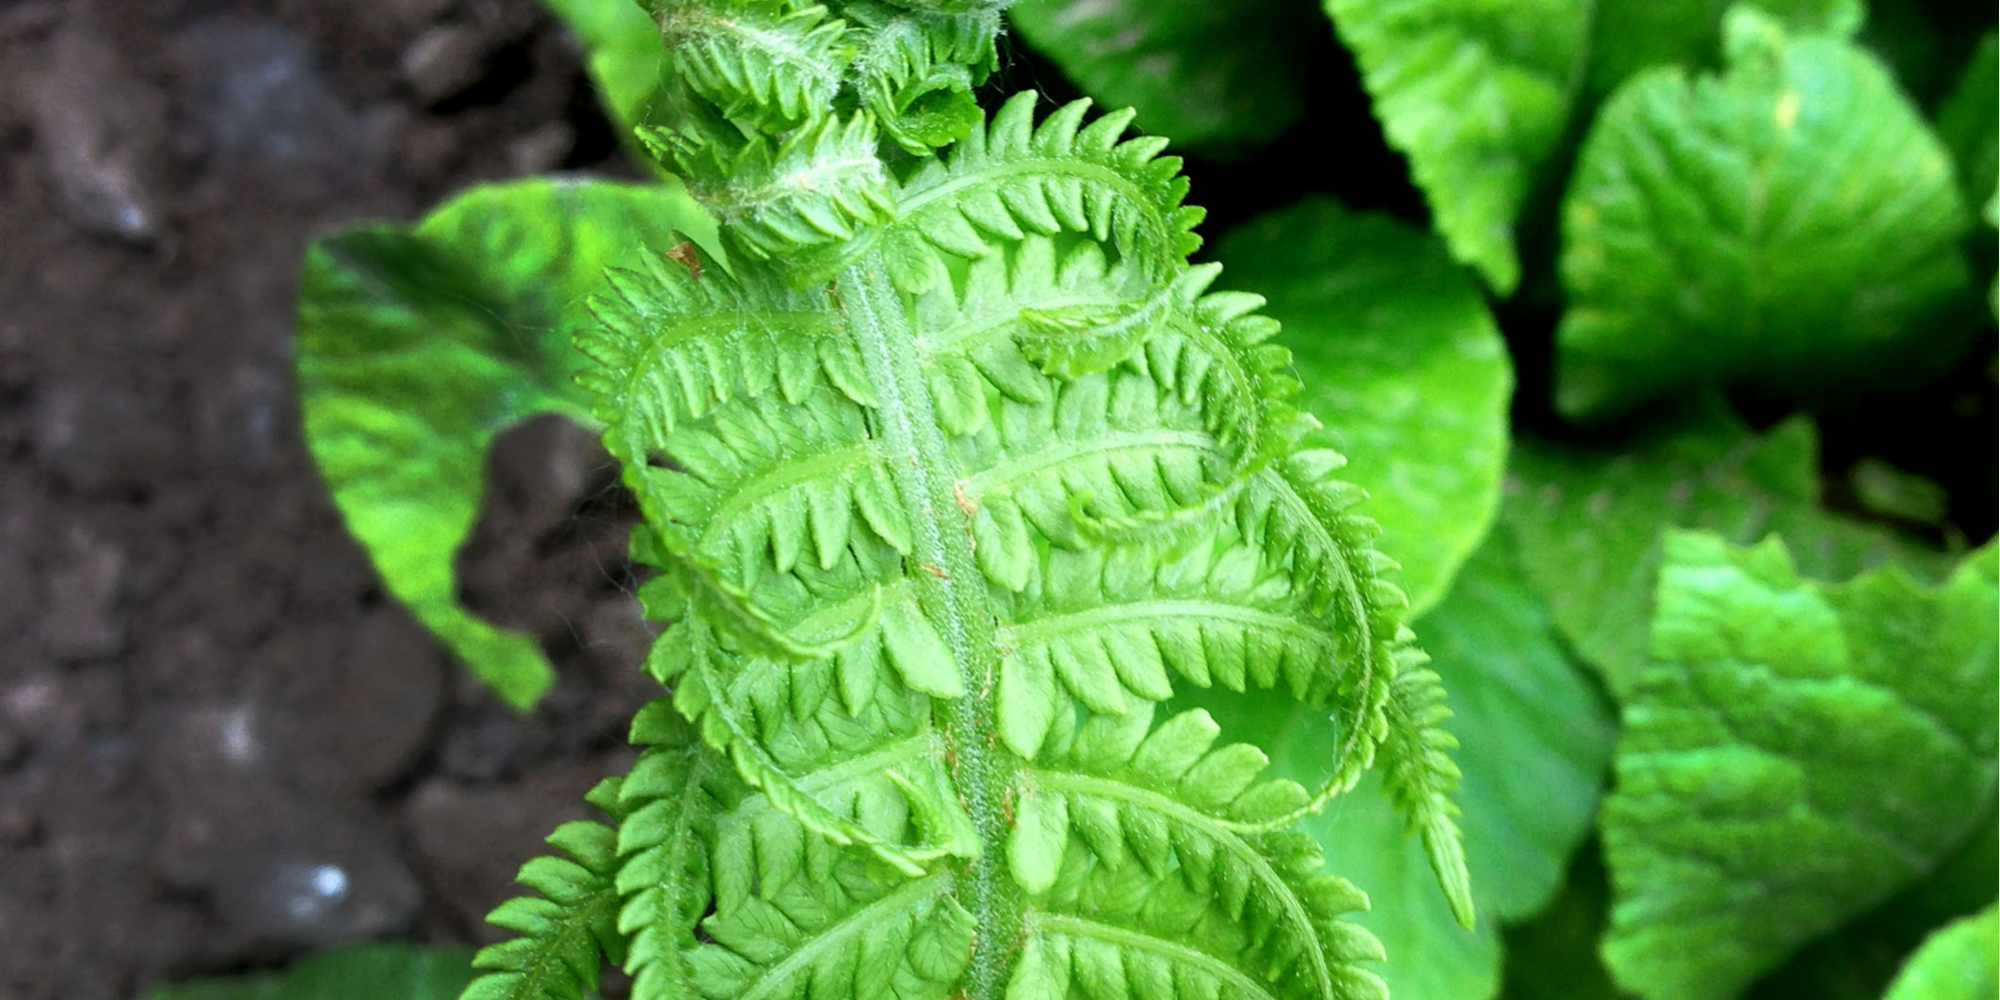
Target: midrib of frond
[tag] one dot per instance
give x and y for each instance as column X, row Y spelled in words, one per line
column 1151, row 441
column 952, row 591
column 1349, row 591
column 775, row 482
column 966, row 338
column 1123, row 792
column 582, row 918
column 1141, row 612
column 999, row 171
column 646, row 369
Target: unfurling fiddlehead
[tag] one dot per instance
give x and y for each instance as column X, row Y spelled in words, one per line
column 960, row 481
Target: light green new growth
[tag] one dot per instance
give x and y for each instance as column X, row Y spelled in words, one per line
column 954, row 472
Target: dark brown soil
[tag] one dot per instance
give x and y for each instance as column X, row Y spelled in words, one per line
column 219, row 743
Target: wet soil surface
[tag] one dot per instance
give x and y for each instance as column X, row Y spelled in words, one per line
column 219, row 743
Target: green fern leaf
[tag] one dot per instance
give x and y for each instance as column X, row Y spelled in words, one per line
column 953, row 473
column 569, row 928
column 1014, row 177
column 773, row 65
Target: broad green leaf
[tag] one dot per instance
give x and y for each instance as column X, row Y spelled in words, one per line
column 1633, row 35
column 1216, row 74
column 1969, row 122
column 1785, row 227
column 417, row 345
column 1587, row 522
column 1535, row 740
column 1794, row 754
column 1476, row 94
column 374, row 971
column 1403, row 362
column 1959, row 962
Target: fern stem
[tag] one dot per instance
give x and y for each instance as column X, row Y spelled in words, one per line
column 952, row 593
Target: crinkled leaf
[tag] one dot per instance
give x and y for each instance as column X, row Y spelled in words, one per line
column 388, row 971
column 1402, row 361
column 1535, row 740
column 1795, row 753
column 1633, row 35
column 1961, row 961
column 1785, row 227
column 1587, row 521
column 1477, row 97
column 1205, row 73
column 417, row 345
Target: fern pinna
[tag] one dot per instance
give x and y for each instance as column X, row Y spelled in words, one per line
column 963, row 486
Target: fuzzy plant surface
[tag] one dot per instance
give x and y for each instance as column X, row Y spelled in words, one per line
column 958, row 477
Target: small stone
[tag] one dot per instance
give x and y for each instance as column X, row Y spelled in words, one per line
column 282, row 867
column 13, row 748
column 42, row 708
column 103, row 437
column 101, row 129
column 20, row 586
column 542, row 150
column 473, row 840
column 82, row 620
column 617, row 634
column 488, row 741
column 443, row 62
column 365, row 722
column 256, row 97
column 417, row 13
column 426, row 148
column 334, row 887
column 542, row 467
column 18, row 826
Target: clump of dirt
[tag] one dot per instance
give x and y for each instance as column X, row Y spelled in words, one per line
column 219, row 743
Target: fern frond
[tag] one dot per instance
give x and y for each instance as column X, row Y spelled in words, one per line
column 1014, row 178
column 684, row 344
column 569, row 929
column 1420, row 777
column 811, row 191
column 770, row 64
column 663, row 876
column 918, row 65
column 1120, row 843
column 954, row 474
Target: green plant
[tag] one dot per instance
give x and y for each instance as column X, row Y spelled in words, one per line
column 979, row 520
column 956, row 474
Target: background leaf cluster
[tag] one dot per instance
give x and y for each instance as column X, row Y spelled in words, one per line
column 1575, row 287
